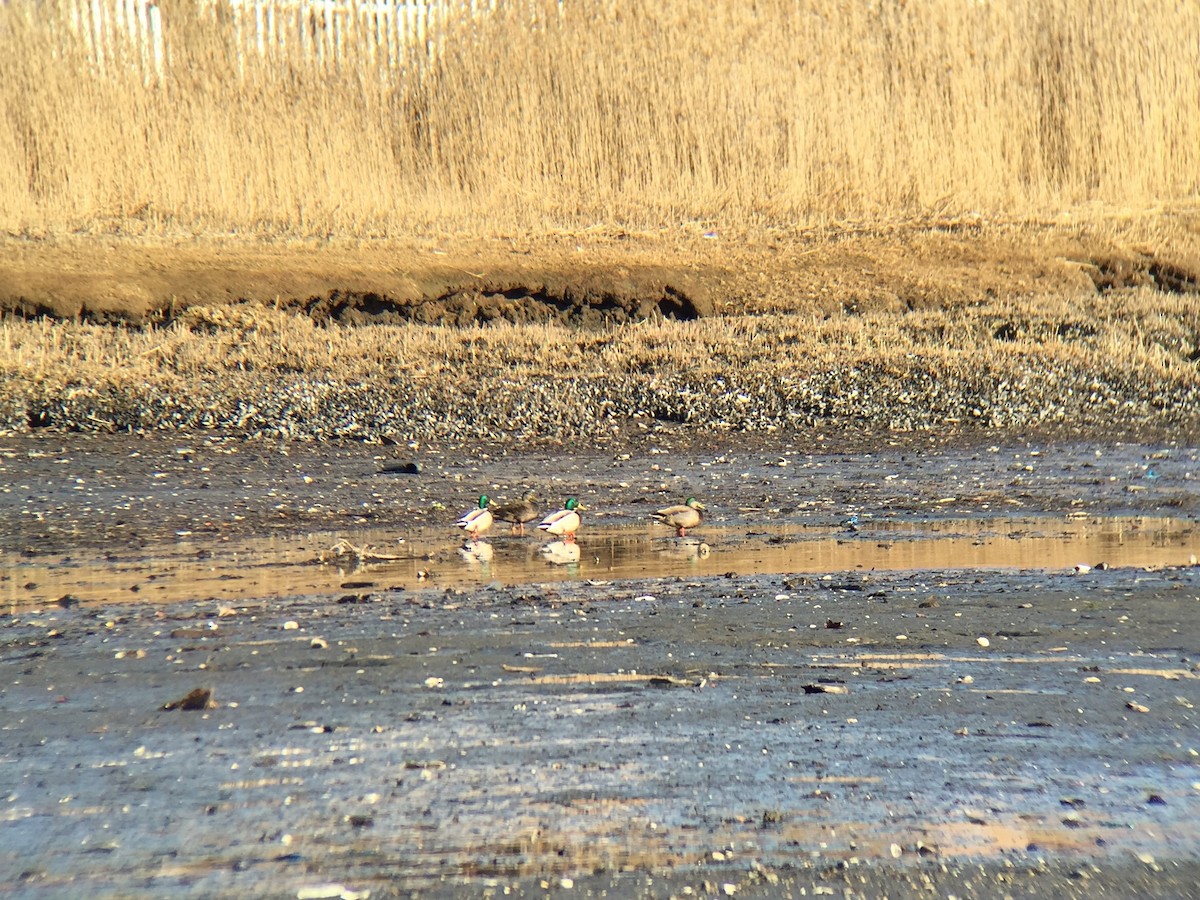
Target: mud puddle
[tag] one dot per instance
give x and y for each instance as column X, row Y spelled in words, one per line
column 328, row 562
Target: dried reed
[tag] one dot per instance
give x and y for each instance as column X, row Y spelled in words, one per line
column 538, row 115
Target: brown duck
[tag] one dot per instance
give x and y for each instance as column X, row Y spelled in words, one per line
column 517, row 513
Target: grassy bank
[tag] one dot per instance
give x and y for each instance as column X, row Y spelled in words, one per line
column 1122, row 364
column 537, row 115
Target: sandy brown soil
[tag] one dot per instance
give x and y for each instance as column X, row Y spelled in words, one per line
column 910, row 266
column 781, row 735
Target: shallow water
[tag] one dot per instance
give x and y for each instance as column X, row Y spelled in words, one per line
column 229, row 571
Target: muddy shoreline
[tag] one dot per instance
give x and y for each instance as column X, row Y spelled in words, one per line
column 640, row 736
column 71, row 491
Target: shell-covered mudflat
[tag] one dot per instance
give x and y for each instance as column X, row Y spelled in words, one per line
column 398, row 717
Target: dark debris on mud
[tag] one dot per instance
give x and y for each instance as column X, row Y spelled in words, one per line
column 518, row 304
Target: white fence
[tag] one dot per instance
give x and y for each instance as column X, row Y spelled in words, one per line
column 388, row 31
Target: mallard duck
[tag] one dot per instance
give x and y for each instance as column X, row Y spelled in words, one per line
column 685, row 516
column 518, row 512
column 477, row 521
column 565, row 521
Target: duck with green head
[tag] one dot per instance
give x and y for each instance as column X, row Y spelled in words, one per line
column 687, row 515
column 564, row 522
column 476, row 521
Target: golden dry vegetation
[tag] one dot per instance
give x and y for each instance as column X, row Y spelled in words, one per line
column 538, row 115
column 1124, row 364
column 1142, row 331
column 939, row 212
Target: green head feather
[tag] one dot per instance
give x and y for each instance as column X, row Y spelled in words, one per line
column 484, row 501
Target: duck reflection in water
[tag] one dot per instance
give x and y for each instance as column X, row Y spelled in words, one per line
column 686, row 548
column 476, row 552
column 560, row 552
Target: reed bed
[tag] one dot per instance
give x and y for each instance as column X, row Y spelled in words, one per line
column 533, row 115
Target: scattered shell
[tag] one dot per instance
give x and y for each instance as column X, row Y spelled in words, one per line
column 290, row 625
column 983, row 642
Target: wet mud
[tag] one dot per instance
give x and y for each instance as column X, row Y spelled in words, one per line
column 890, row 710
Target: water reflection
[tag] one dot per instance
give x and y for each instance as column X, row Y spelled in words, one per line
column 476, row 552
column 560, row 553
column 686, row 548
column 279, row 566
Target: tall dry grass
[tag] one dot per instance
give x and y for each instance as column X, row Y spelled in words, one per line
column 536, row 116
